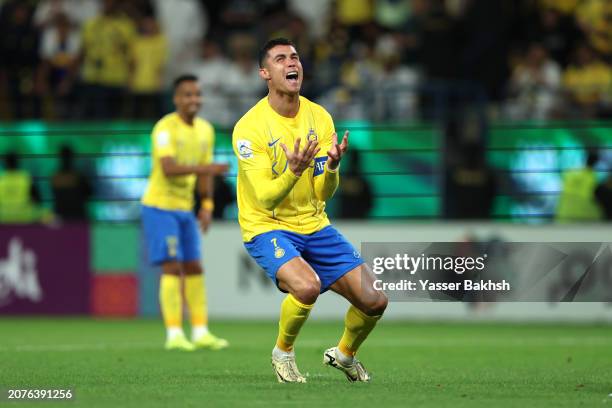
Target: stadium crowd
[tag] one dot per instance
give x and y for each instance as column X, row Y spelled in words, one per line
column 372, row 59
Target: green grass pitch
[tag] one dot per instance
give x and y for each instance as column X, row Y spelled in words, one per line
column 120, row 363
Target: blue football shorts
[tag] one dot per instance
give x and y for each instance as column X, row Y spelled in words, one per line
column 171, row 235
column 326, row 251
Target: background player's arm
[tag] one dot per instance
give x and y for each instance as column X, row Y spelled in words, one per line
column 325, row 184
column 171, row 168
column 205, row 186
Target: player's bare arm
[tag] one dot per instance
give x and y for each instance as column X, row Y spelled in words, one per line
column 171, row 168
column 205, row 186
column 298, row 161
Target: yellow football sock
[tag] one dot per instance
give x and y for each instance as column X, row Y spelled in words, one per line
column 357, row 326
column 292, row 316
column 195, row 293
column 171, row 300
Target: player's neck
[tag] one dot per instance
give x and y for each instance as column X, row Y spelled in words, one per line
column 186, row 118
column 284, row 104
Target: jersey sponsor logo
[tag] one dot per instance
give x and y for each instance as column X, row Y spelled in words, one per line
column 319, row 165
column 19, row 275
column 162, row 139
column 244, row 148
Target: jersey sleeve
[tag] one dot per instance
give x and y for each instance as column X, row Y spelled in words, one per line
column 325, row 140
column 250, row 149
column 325, row 181
column 163, row 141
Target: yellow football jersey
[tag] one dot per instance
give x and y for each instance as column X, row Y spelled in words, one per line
column 256, row 140
column 188, row 145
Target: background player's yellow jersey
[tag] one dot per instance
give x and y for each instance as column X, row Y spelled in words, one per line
column 188, row 145
column 256, row 141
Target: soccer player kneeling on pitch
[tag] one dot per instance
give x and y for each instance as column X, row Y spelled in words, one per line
column 288, row 163
column 182, row 158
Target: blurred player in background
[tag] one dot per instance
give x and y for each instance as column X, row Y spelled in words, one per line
column 281, row 199
column 182, row 153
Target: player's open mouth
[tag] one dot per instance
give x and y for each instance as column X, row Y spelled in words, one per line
column 292, row 77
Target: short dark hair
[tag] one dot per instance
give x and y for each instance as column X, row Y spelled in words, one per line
column 183, row 78
column 263, row 52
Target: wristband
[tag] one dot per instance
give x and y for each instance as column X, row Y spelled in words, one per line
column 208, row 204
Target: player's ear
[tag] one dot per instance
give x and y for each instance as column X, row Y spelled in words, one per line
column 264, row 74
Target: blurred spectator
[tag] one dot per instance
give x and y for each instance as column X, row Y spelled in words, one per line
column 558, row 33
column 460, row 48
column 19, row 57
column 107, row 41
column 148, row 62
column 19, row 198
column 485, row 28
column 534, row 86
column 587, row 82
column 577, row 198
column 438, row 59
column 395, row 85
column 59, row 52
column 211, row 68
column 595, row 20
column 184, row 23
column 392, row 14
column 356, row 199
column 355, row 15
column 329, row 54
column 470, row 185
column 315, row 13
column 137, row 9
column 603, row 195
column 240, row 16
column 71, row 190
column 409, row 34
column 242, row 81
column 77, row 11
column 566, row 7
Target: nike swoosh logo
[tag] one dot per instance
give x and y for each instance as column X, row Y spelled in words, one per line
column 273, row 143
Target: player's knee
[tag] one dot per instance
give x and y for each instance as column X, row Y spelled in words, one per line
column 377, row 305
column 307, row 292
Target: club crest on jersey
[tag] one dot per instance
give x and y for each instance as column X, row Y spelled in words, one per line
column 312, row 136
column 244, row 149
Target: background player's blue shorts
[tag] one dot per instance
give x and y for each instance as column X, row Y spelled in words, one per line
column 326, row 251
column 171, row 235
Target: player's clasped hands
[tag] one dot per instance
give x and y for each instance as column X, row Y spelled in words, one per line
column 299, row 160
